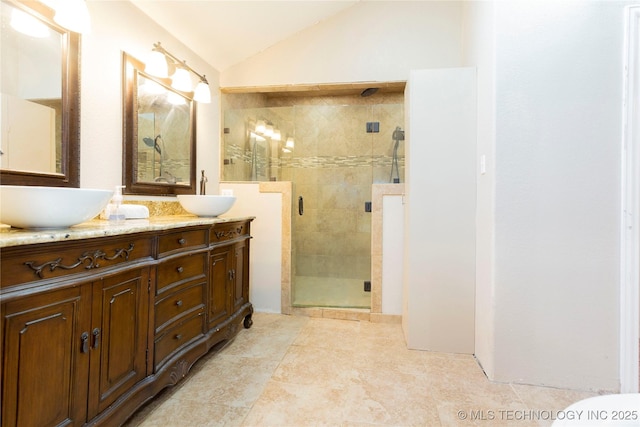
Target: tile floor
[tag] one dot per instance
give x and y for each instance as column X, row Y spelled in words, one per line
column 309, row 291
column 303, row 371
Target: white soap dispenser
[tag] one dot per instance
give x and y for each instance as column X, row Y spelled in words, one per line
column 116, row 214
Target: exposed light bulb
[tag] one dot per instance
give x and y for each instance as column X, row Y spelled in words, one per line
column 260, row 126
column 181, row 80
column 202, row 93
column 156, row 64
column 290, row 144
column 277, row 136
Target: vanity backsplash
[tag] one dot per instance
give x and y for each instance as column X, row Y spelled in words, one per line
column 157, row 208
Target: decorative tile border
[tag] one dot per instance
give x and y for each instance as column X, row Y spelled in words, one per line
column 239, row 155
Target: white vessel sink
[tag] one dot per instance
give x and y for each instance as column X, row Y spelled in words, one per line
column 50, row 207
column 206, row 205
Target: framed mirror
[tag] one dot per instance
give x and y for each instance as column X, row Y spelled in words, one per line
column 40, row 98
column 159, row 134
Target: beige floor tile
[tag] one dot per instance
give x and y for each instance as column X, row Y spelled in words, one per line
column 177, row 413
column 391, row 398
column 229, row 381
column 301, row 371
column 285, row 404
column 267, row 338
column 544, row 403
column 316, row 365
column 329, row 333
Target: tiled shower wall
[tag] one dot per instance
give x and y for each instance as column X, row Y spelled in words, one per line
column 333, row 165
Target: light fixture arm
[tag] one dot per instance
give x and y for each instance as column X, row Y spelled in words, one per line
column 183, row 63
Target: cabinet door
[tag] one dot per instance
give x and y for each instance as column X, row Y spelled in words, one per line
column 46, row 358
column 119, row 329
column 219, row 283
column 240, row 274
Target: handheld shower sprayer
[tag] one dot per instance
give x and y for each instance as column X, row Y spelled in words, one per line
column 397, row 136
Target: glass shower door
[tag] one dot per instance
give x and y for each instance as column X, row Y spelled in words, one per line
column 332, row 184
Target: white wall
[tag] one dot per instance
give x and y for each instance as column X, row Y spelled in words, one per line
column 371, row 41
column 440, row 199
column 266, row 244
column 548, row 312
column 118, row 26
column 479, row 51
column 392, row 253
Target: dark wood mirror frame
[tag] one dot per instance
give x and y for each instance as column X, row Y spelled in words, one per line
column 133, row 67
column 70, row 161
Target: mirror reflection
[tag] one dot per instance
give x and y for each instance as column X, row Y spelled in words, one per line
column 164, row 135
column 159, row 135
column 31, row 93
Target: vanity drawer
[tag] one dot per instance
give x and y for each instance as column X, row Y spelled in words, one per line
column 181, row 240
column 33, row 263
column 178, row 305
column 177, row 271
column 223, row 232
column 176, row 337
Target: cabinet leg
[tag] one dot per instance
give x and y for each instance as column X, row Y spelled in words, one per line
column 248, row 321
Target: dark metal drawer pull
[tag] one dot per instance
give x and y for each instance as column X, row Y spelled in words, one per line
column 84, row 342
column 96, row 337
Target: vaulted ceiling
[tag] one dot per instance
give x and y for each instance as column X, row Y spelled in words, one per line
column 224, row 33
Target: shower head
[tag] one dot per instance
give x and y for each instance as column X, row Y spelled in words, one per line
column 369, row 91
column 398, row 134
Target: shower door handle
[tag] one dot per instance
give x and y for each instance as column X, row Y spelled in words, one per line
column 300, row 205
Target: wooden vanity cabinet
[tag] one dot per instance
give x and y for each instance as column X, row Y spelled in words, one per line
column 70, row 353
column 92, row 329
column 44, row 364
column 228, row 279
column 118, row 336
column 180, row 298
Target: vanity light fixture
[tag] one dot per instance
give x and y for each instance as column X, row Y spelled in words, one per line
column 260, row 127
column 288, row 146
column 181, row 80
column 156, row 64
column 73, row 15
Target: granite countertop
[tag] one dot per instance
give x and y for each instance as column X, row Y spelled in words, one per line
column 101, row 228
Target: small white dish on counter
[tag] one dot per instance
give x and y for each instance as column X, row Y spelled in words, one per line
column 50, row 207
column 206, row 205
